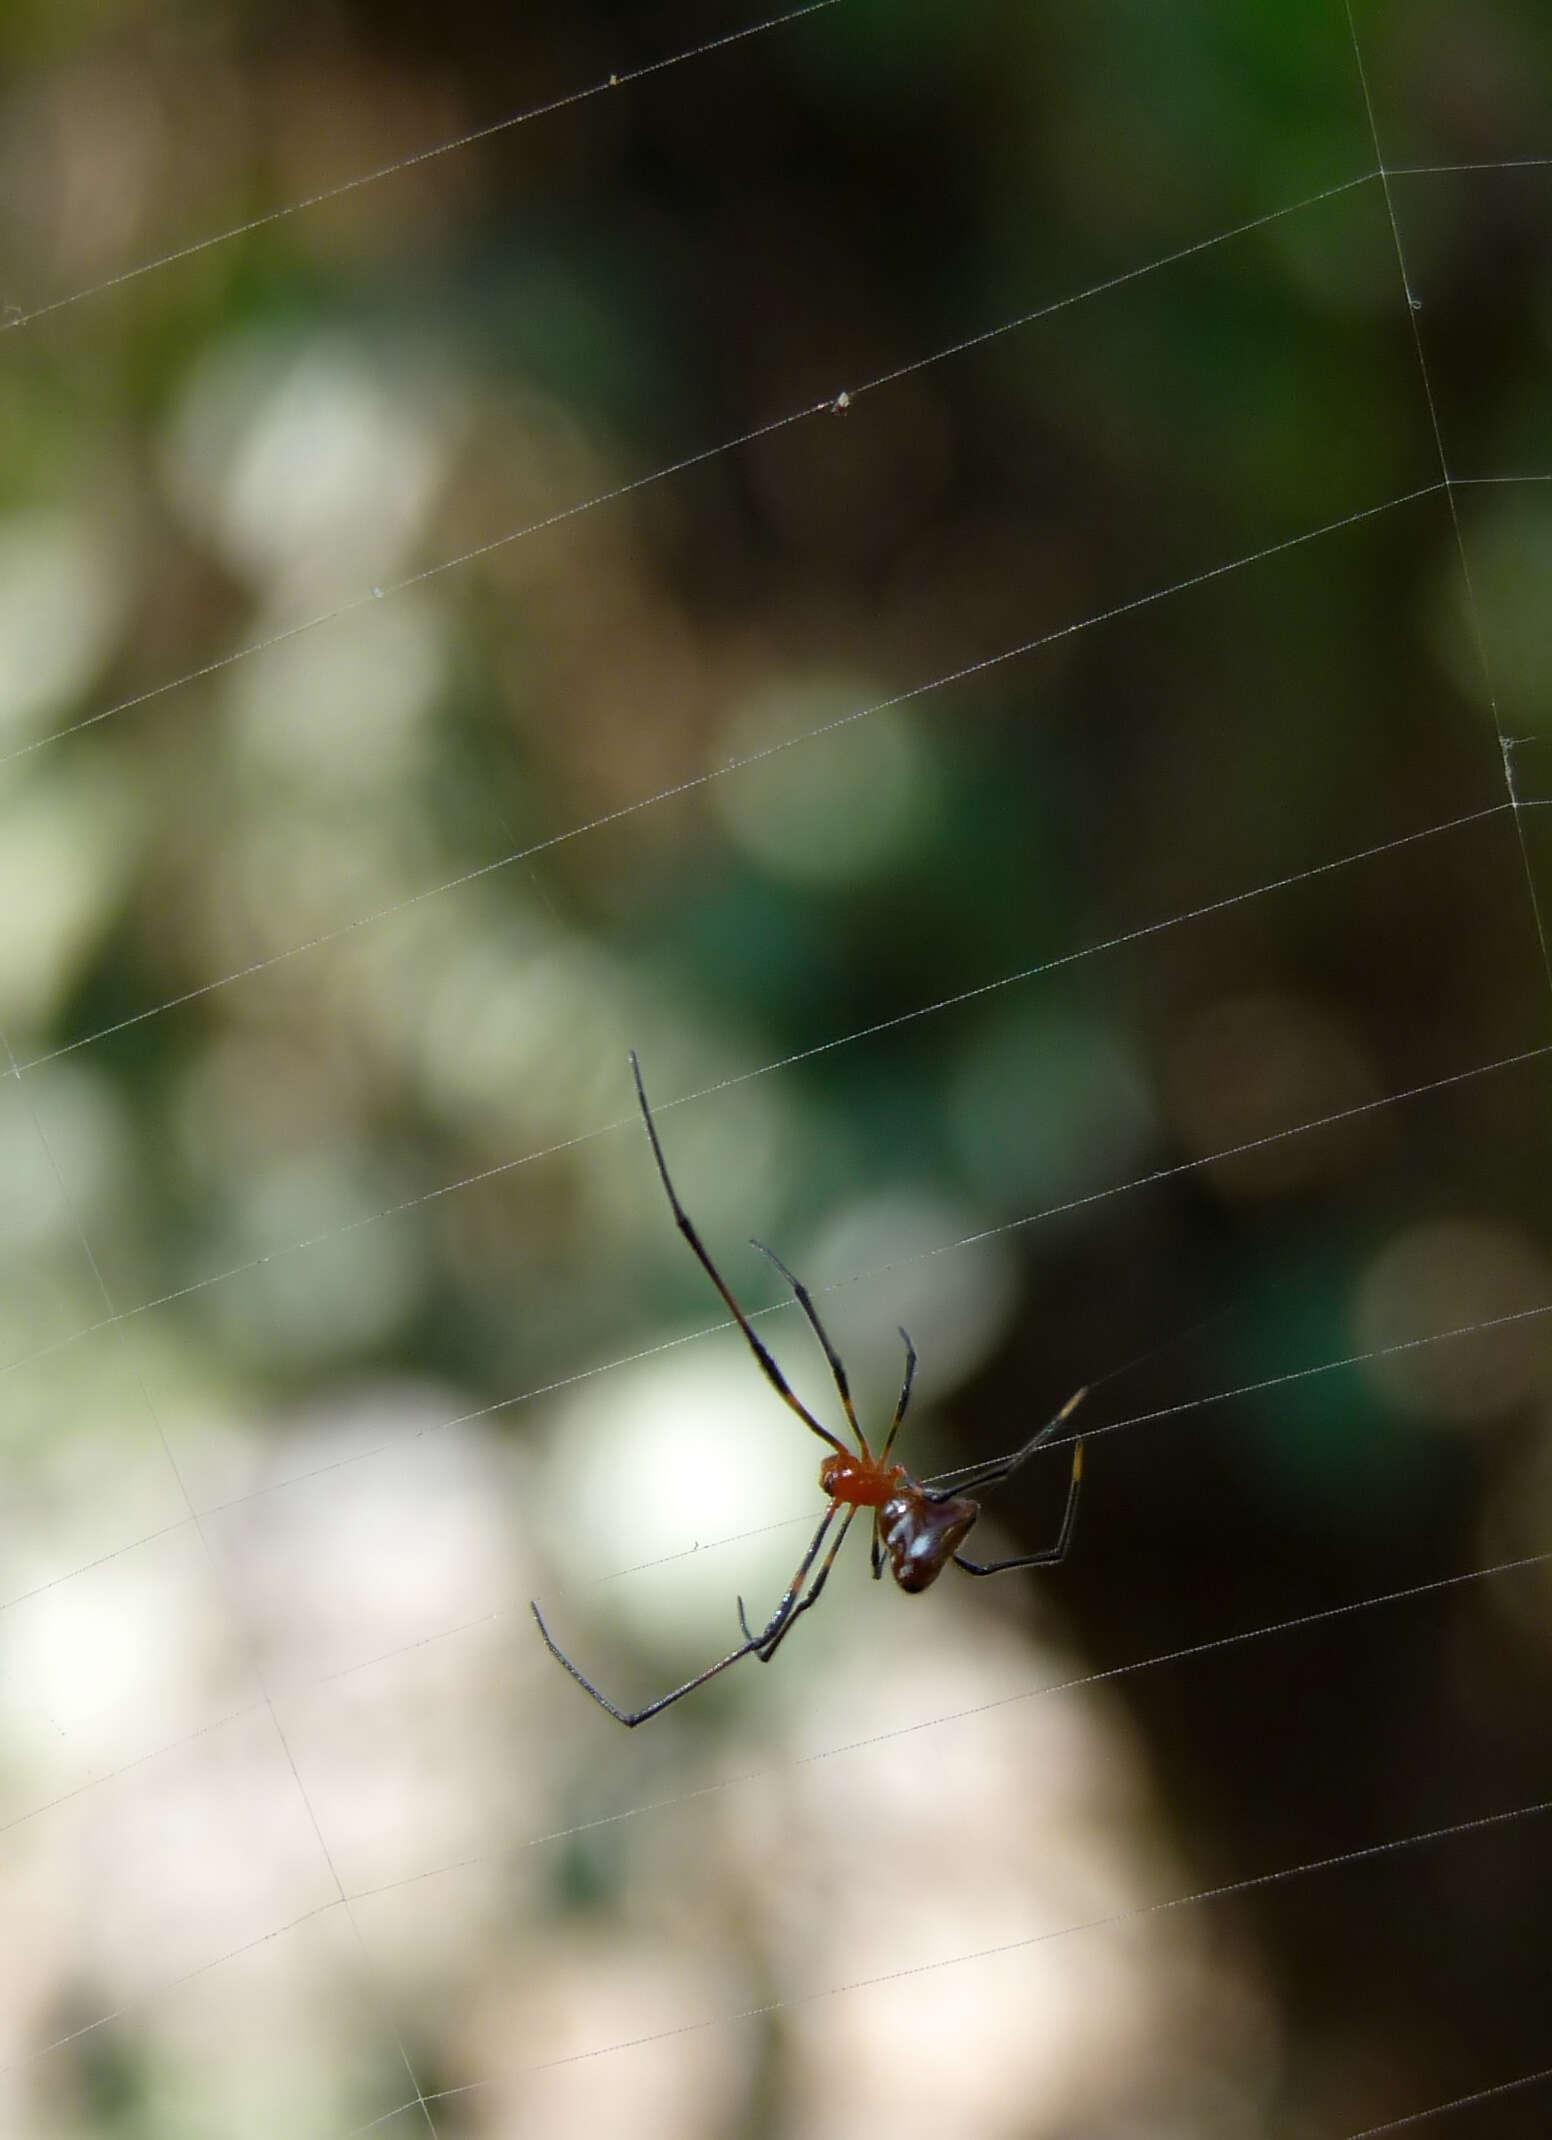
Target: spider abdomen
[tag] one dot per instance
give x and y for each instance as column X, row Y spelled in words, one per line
column 921, row 1536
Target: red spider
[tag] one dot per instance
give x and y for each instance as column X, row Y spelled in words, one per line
column 917, row 1529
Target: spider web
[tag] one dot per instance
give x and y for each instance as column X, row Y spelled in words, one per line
column 1063, row 940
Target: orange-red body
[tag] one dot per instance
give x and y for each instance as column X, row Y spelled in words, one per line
column 917, row 1535
column 859, row 1481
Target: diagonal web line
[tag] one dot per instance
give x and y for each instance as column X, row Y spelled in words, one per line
column 190, row 1976
column 1058, row 960
column 962, row 674
column 1263, row 1383
column 1451, row 1081
column 1225, row 1891
column 1211, row 1646
column 1076, row 1684
column 1399, row 1346
column 1465, row 170
column 1363, row 1854
column 15, row 317
column 1438, row 2110
column 828, row 406
column 246, row 1642
column 1141, row 1181
column 1239, row 1639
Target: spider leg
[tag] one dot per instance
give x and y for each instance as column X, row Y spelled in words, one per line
column 773, row 1624
column 905, row 1396
column 1003, row 1467
column 876, row 1543
column 1048, row 1556
column 800, row 1292
column 768, row 1367
column 632, row 1717
column 811, row 1596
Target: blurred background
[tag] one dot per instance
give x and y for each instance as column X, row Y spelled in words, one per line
column 974, row 583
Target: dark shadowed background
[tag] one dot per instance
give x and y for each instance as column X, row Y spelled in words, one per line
column 975, row 581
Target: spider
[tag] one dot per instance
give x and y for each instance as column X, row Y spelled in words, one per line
column 917, row 1529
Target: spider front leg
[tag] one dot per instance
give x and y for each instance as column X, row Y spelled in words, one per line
column 780, row 1622
column 876, row 1550
column 630, row 1718
column 778, row 1618
column 762, row 1645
